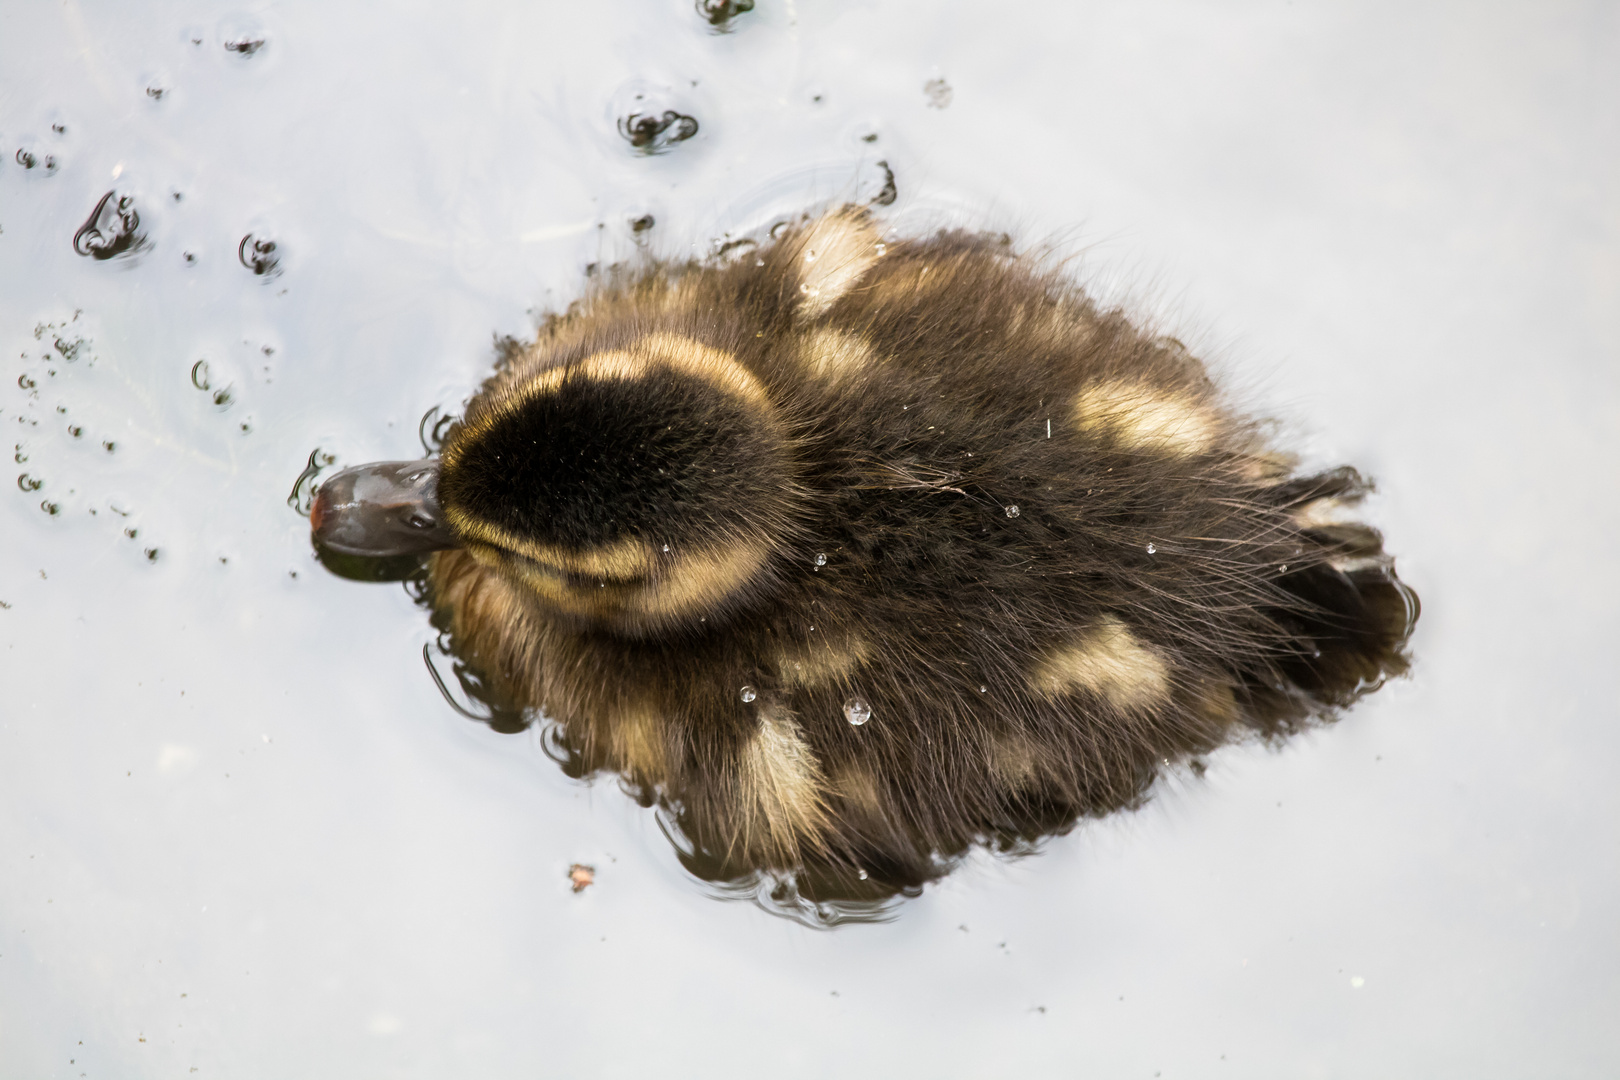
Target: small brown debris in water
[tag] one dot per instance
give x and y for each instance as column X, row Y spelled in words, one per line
column 581, row 876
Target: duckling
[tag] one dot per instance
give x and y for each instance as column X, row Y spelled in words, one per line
column 855, row 552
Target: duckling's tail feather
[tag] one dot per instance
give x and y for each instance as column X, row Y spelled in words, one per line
column 1346, row 631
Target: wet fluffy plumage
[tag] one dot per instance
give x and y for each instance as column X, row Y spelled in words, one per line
column 1053, row 557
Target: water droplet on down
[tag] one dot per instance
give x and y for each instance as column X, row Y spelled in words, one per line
column 857, row 711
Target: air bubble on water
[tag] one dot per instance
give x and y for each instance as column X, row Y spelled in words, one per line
column 29, row 483
column 259, row 254
column 821, row 559
column 30, row 160
column 1283, row 569
column 984, row 689
column 243, row 36
column 719, row 13
column 1151, row 549
column 861, row 874
column 1013, row 511
column 650, row 125
column 857, row 711
column 111, row 230
column 666, row 549
column 749, row 693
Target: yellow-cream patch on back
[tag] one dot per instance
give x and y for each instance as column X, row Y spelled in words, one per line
column 1044, row 324
column 834, row 252
column 1142, row 417
column 1268, row 468
column 1108, row 661
column 697, row 580
column 911, row 284
column 822, row 661
column 857, row 787
column 833, row 354
column 1013, row 762
column 781, row 781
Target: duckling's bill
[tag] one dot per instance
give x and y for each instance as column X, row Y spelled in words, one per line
column 379, row 510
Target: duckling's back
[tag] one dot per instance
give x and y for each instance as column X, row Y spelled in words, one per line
column 988, row 558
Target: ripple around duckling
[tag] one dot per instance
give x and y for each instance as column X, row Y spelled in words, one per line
column 302, row 496
column 821, row 897
column 483, row 702
column 432, row 429
column 505, row 721
column 826, row 796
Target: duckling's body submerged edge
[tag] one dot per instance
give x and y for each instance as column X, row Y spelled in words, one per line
column 854, row 553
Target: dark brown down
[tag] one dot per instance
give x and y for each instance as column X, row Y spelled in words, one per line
column 717, row 511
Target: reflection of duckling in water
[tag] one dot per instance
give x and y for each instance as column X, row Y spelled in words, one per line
column 854, row 553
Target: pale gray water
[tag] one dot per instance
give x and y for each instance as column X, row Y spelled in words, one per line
column 241, row 833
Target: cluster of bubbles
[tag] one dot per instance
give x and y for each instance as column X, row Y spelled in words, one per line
column 113, row 228
column 63, row 342
column 654, row 131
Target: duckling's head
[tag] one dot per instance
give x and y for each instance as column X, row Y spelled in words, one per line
column 639, row 486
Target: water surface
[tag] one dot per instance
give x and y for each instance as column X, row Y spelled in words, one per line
column 241, row 831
